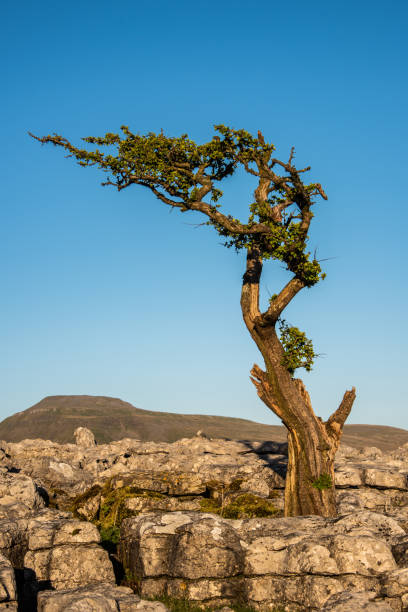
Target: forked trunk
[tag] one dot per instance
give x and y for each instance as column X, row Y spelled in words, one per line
column 312, row 443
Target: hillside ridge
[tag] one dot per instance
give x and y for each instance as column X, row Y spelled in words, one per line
column 56, row 417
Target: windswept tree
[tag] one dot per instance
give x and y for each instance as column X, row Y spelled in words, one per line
column 185, row 175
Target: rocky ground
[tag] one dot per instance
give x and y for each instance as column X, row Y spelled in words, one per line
column 108, row 527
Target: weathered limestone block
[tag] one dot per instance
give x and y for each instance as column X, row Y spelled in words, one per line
column 389, row 500
column 223, row 553
column 19, row 495
column 13, row 541
column 347, row 452
column 65, row 554
column 264, row 480
column 385, row 479
column 147, row 540
column 62, row 470
column 348, row 476
column 310, row 557
column 163, row 482
column 70, row 566
column 307, row 592
column 365, row 556
column 173, row 545
column 362, row 555
column 102, row 597
column 369, row 523
column 205, row 589
column 43, row 532
column 84, row 437
column 352, row 602
column 301, row 561
column 264, row 555
column 8, row 591
column 161, row 504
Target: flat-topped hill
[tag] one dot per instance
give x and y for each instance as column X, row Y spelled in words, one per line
column 56, row 417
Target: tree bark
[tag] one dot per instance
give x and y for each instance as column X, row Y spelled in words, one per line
column 312, row 443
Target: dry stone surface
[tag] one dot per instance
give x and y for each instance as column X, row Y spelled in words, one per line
column 179, row 540
column 101, row 597
column 299, row 561
column 19, row 495
column 84, row 437
column 65, row 553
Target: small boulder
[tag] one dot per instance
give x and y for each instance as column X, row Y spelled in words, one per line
column 65, row 554
column 84, row 437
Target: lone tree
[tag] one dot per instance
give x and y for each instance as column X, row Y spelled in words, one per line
column 185, row 175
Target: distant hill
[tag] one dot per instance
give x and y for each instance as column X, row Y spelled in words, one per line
column 56, row 417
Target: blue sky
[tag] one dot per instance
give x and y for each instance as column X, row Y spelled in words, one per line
column 106, row 293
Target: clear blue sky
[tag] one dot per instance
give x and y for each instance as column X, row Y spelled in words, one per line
column 106, row 293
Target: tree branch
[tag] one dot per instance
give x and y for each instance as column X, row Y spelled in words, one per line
column 278, row 304
column 260, row 379
column 334, row 425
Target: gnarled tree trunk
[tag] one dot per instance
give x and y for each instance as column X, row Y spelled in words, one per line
column 312, row 443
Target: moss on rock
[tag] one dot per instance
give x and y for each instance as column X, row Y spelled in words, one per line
column 246, row 505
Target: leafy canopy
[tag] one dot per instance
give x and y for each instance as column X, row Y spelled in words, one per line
column 186, row 175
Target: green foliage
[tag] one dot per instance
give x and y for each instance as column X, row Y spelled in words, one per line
column 113, row 510
column 110, row 534
column 249, row 506
column 323, row 482
column 299, row 351
column 246, row 505
column 110, row 538
column 182, row 174
column 80, row 500
column 155, row 160
column 280, row 242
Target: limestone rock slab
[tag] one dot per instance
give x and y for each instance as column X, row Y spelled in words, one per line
column 301, row 561
column 385, row 479
column 64, row 553
column 70, row 566
column 102, row 597
column 19, row 495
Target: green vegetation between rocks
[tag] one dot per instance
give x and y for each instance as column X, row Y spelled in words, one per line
column 80, row 500
column 111, row 507
column 246, row 505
